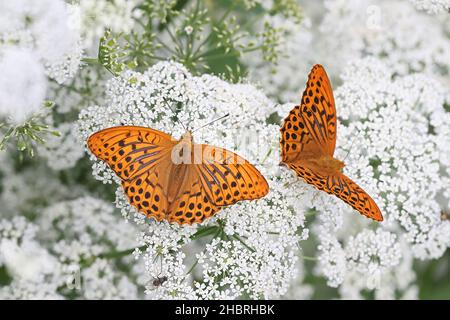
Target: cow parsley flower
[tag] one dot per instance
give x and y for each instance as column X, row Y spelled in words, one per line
column 97, row 15
column 49, row 29
column 83, row 234
column 30, row 188
column 378, row 28
column 253, row 252
column 432, row 6
column 21, row 72
column 33, row 271
column 63, row 151
column 392, row 277
column 392, row 133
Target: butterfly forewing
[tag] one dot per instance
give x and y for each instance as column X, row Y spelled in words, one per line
column 310, row 128
column 130, row 151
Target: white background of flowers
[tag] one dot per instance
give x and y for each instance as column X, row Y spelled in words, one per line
column 389, row 62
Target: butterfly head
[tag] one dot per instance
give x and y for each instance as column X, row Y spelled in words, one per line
column 187, row 137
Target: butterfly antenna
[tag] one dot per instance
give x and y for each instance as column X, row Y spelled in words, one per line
column 174, row 113
column 211, row 122
column 348, row 152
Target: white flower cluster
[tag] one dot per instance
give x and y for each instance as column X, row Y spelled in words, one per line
column 37, row 39
column 357, row 28
column 97, row 15
column 80, row 233
column 432, row 6
column 277, row 80
column 28, row 189
column 39, row 25
column 63, row 151
column 394, row 134
column 255, row 254
column 63, row 256
column 29, row 76
column 72, row 248
column 33, row 270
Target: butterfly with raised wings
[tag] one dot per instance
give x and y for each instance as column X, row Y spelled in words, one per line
column 176, row 180
column 308, row 140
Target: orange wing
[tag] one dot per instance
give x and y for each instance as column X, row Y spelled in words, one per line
column 310, row 128
column 309, row 133
column 221, row 179
column 141, row 157
column 341, row 186
column 131, row 151
column 192, row 203
column 228, row 178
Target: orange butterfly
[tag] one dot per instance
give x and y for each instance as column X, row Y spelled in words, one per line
column 308, row 140
column 176, row 180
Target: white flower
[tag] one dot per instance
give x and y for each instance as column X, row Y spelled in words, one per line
column 432, row 6
column 31, row 188
column 81, row 230
column 26, row 261
column 62, row 152
column 188, row 30
column 359, row 28
column 49, row 28
column 89, row 227
column 278, row 80
column 97, row 15
column 393, row 143
column 34, row 272
column 86, row 87
column 21, row 73
column 372, row 253
column 255, row 255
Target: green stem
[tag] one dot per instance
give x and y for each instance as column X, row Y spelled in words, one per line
column 193, row 266
column 110, row 255
column 90, row 60
column 243, row 243
column 211, row 33
column 309, row 258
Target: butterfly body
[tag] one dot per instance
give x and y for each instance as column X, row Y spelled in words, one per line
column 308, row 140
column 176, row 180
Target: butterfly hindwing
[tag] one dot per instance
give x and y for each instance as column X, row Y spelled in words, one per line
column 228, row 178
column 147, row 195
column 341, row 186
column 295, row 137
column 193, row 204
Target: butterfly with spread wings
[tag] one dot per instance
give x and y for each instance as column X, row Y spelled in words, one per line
column 308, row 140
column 176, row 180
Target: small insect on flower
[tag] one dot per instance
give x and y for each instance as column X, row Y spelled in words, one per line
column 159, row 281
column 308, row 140
column 176, row 180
